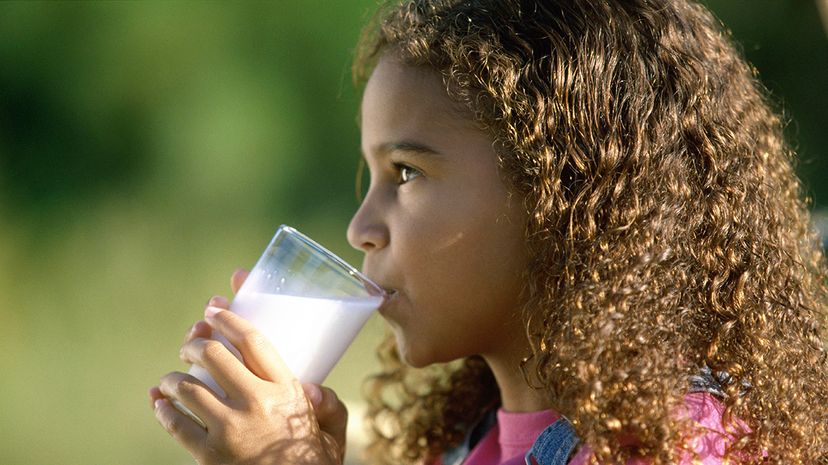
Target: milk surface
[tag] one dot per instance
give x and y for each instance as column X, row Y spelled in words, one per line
column 310, row 334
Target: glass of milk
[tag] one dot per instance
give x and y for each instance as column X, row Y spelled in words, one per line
column 309, row 303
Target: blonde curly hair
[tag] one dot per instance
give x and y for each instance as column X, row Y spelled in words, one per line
column 668, row 229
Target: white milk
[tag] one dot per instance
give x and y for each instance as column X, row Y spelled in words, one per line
column 310, row 334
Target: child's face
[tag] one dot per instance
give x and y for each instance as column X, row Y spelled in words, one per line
column 437, row 224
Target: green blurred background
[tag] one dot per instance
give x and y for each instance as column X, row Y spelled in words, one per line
column 148, row 149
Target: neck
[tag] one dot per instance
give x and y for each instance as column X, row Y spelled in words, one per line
column 515, row 394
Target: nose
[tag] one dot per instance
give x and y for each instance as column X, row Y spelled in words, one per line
column 367, row 230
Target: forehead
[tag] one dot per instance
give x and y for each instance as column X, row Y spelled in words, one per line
column 402, row 91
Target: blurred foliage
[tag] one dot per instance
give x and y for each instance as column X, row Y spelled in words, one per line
column 148, row 149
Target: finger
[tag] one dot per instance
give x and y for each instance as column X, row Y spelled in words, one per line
column 218, row 301
column 238, row 278
column 331, row 413
column 180, row 426
column 226, row 369
column 258, row 353
column 193, row 394
column 200, row 329
column 314, row 394
column 155, row 394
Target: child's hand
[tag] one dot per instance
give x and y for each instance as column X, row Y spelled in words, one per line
column 267, row 416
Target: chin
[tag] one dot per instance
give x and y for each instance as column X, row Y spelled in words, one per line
column 415, row 358
column 408, row 355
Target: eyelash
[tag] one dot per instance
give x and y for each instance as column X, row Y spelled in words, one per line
column 402, row 168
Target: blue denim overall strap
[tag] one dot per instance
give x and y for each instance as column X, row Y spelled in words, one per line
column 557, row 442
column 456, row 455
column 554, row 446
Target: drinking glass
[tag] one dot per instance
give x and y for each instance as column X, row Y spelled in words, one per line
column 309, row 303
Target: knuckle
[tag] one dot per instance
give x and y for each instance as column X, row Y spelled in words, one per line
column 186, row 388
column 265, row 407
column 213, row 350
column 331, row 400
column 173, row 424
column 220, row 435
column 253, row 339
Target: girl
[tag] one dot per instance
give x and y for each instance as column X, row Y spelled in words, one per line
column 596, row 243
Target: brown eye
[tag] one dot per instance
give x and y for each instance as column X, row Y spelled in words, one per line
column 406, row 173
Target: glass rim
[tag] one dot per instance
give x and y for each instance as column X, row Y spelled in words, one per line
column 317, row 247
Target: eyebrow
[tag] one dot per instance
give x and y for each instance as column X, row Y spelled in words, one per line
column 409, row 147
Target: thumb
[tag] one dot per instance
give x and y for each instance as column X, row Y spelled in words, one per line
column 331, row 413
column 314, row 394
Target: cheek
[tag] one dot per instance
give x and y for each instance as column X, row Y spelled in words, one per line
column 467, row 257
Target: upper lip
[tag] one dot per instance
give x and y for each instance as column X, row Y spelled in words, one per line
column 390, row 293
column 389, row 290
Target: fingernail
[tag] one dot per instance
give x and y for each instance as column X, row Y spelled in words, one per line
column 211, row 312
column 314, row 394
column 159, row 403
column 217, row 301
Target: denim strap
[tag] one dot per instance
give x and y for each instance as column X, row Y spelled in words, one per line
column 554, row 445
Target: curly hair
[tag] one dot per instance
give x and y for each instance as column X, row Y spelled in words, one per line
column 668, row 229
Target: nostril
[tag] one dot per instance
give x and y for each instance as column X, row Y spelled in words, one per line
column 369, row 238
column 366, row 237
column 359, row 241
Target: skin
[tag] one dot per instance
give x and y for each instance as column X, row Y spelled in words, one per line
column 439, row 229
column 267, row 417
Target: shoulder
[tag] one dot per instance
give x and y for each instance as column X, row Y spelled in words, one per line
column 713, row 436
column 707, row 443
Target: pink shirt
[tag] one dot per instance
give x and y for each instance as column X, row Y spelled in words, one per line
column 509, row 440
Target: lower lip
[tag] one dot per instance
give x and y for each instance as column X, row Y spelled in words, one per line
column 390, row 299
